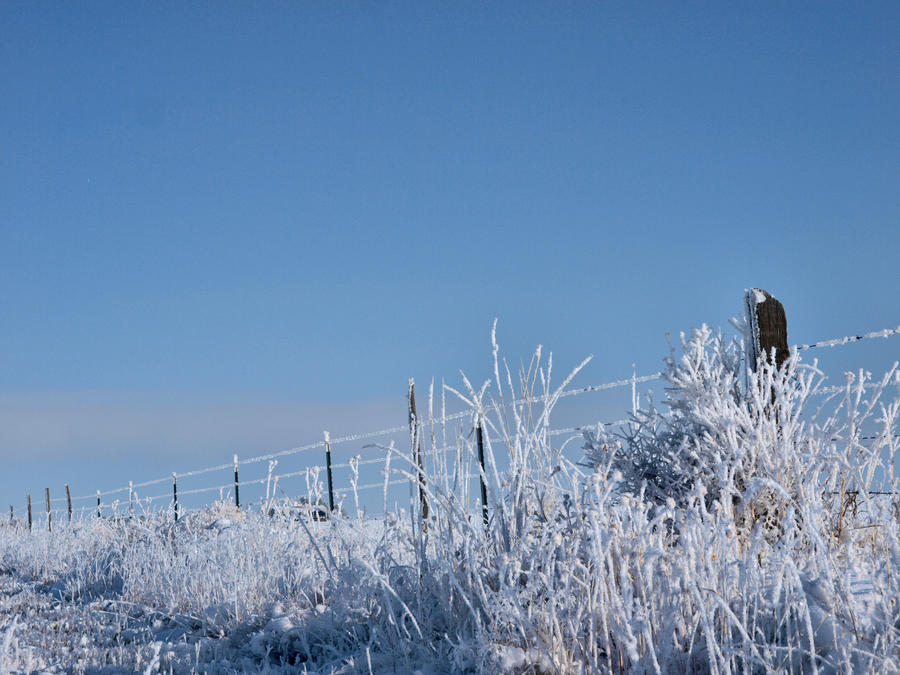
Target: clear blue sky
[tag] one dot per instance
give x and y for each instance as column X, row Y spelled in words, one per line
column 226, row 225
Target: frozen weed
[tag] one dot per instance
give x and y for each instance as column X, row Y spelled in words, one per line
column 736, row 528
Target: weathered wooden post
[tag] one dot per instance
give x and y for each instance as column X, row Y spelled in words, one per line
column 479, row 437
column 49, row 515
column 69, row 501
column 416, row 443
column 29, row 512
column 768, row 325
column 175, row 495
column 98, row 504
column 328, row 467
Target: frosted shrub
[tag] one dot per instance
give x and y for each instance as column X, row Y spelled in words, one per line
column 745, row 447
column 664, row 455
column 753, row 487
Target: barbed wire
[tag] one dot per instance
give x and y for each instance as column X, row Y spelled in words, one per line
column 443, row 420
column 369, row 486
column 587, row 427
column 851, row 386
column 611, row 385
column 273, row 478
column 886, row 332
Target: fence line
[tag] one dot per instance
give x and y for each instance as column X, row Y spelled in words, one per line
column 315, row 467
column 147, row 501
column 367, row 486
column 383, row 458
column 356, row 437
column 444, row 419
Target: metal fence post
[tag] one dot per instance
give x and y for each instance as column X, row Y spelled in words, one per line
column 328, row 467
column 479, row 437
column 237, row 497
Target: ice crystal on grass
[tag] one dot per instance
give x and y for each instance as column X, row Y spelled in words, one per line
column 736, row 528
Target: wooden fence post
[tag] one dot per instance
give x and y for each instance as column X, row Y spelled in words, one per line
column 479, row 437
column 29, row 512
column 175, row 495
column 98, row 504
column 49, row 515
column 237, row 497
column 69, row 501
column 768, row 325
column 416, row 443
column 328, row 467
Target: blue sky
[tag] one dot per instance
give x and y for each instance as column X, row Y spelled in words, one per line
column 224, row 225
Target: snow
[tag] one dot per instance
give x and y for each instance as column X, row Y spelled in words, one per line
column 726, row 531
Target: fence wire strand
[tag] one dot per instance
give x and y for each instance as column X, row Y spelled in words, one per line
column 443, row 420
column 836, row 342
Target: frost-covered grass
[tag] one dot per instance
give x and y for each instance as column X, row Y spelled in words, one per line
column 733, row 530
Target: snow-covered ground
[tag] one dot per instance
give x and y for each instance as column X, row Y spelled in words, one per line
column 742, row 527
